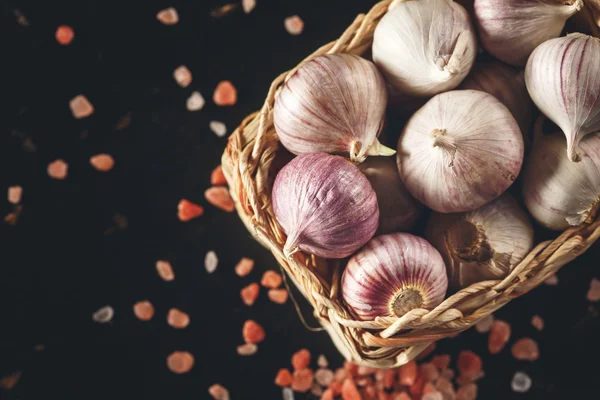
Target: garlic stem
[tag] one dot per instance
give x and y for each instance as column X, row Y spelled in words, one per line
column 440, row 139
column 460, row 48
column 408, row 299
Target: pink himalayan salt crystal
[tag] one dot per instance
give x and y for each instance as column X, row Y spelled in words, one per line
column 408, row 373
column 165, row 271
column 186, row 210
column 526, row 349
column 81, row 107
column 301, row 359
column 278, row 296
column 294, row 25
column 225, row 94
column 168, row 16
column 441, row 362
column 58, row 169
column 14, row 194
column 102, row 162
column 218, row 392
column 252, row 332
column 467, row 392
column 244, row 266
column 349, row 391
column 433, row 396
column 217, row 177
column 283, row 377
column 180, row 362
column 247, row 349
column 195, row 102
column 271, row 279
column 316, row 390
column 249, row 294
column 499, row 335
column 218, row 128
column 429, row 372
column 445, row 386
column 468, row 364
column 552, row 280
column 211, row 261
column 593, row 293
column 182, row 76
column 322, row 361
column 103, row 315
column 64, row 35
column 324, row 377
column 537, row 322
column 248, row 5
column 302, row 380
column 143, row 310
column 219, row 197
column 485, row 324
column 177, row 318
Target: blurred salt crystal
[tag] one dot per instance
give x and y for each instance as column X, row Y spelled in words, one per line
column 102, row 162
column 218, row 392
column 485, row 324
column 433, row 396
column 211, row 261
column 195, row 102
column 58, row 169
column 521, row 382
column 552, row 280
column 182, row 76
column 322, row 361
column 537, row 322
column 324, row 377
column 316, row 390
column 218, row 128
column 248, row 5
column 168, row 16
column 81, row 107
column 14, row 194
column 247, row 349
column 103, row 315
column 294, row 25
column 593, row 293
column 288, row 394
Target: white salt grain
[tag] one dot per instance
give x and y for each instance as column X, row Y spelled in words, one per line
column 195, row 102
column 294, row 25
column 211, row 261
column 521, row 382
column 14, row 194
column 81, row 107
column 248, row 5
column 287, row 393
column 247, row 349
column 168, row 16
column 103, row 315
column 322, row 361
column 485, row 324
column 324, row 377
column 218, row 128
column 182, row 76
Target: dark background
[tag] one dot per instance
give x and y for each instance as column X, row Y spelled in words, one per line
column 58, row 265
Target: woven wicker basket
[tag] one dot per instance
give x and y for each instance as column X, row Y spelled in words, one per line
column 386, row 342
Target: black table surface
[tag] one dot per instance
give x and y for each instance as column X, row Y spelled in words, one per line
column 59, row 265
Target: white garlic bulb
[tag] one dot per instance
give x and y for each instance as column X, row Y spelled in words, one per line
column 425, row 47
column 333, row 104
column 560, row 193
column 510, row 29
column 563, row 79
column 460, row 151
column 483, row 244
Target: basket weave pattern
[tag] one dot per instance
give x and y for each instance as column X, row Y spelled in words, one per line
column 389, row 341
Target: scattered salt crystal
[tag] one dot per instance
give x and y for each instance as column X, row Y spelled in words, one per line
column 219, row 197
column 283, row 378
column 168, row 16
column 225, row 94
column 467, row 392
column 103, row 315
column 526, row 349
column 433, row 396
column 102, row 162
column 58, row 169
column 218, row 392
column 165, row 271
column 499, row 335
column 468, row 364
column 10, row 381
column 271, row 279
column 249, row 294
column 195, row 102
column 180, row 362
column 302, row 380
column 294, row 25
column 143, row 310
column 21, row 18
column 81, row 107
column 182, row 76
column 217, row 177
column 223, row 10
column 64, row 35
column 218, row 128
column 244, row 266
column 349, row 391
column 186, row 210
column 248, row 5
column 14, row 194
column 593, row 293
column 301, row 359
column 485, row 324
column 247, row 349
column 287, row 393
column 537, row 322
column 278, row 296
column 316, row 390
column 177, row 318
column 324, row 377
column 552, row 280
column 211, row 261
column 322, row 361
column 408, row 373
column 521, row 382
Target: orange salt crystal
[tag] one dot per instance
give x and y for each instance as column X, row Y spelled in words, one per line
column 294, row 25
column 219, row 197
column 225, row 94
column 64, row 35
column 102, row 162
column 10, row 381
column 327, row 395
column 168, row 16
column 14, row 194
column 217, row 177
column 249, row 294
column 336, row 387
column 416, row 389
column 81, row 107
column 407, row 373
column 349, row 391
column 283, row 378
column 467, row 392
column 525, row 349
column 389, row 376
column 429, row 388
column 593, row 294
column 441, row 361
column 165, row 271
column 218, row 392
column 180, row 362
column 429, row 372
column 143, row 310
column 252, row 332
column 58, row 169
column 537, row 322
column 247, row 349
column 244, row 266
column 468, row 364
column 499, row 335
column 301, row 359
column 271, row 279
column 177, row 318
column 302, row 380
column 186, row 210
column 278, row 296
column 369, row 393
column 341, row 374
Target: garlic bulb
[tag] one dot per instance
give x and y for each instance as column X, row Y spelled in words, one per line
column 425, row 47
column 460, row 151
column 325, row 205
column 398, row 210
column 505, row 83
column 560, row 193
column 510, row 29
column 563, row 79
column 483, row 244
column 333, row 104
column 392, row 275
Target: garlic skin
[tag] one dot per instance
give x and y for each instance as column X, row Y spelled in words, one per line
column 483, row 244
column 398, row 210
column 334, row 103
column 557, row 192
column 511, row 29
column 462, row 149
column 325, row 205
column 392, row 275
column 425, row 47
column 505, row 83
column 563, row 79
